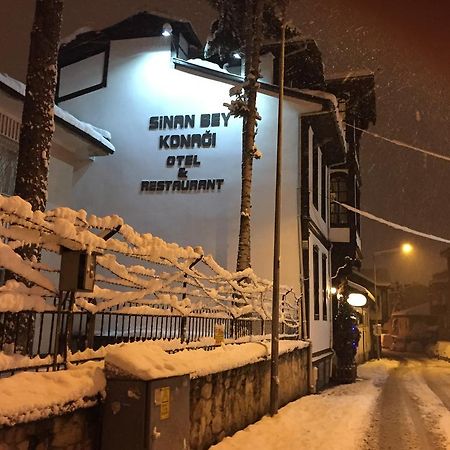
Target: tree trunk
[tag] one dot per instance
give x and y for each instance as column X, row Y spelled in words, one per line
column 38, row 110
column 254, row 12
column 35, row 140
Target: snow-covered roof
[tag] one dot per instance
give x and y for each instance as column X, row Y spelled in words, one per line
column 201, row 67
column 97, row 135
column 354, row 73
column 142, row 24
column 419, row 310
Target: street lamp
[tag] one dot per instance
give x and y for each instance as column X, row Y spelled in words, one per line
column 406, row 248
column 357, row 300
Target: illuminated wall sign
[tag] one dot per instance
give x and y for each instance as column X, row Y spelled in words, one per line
column 186, row 140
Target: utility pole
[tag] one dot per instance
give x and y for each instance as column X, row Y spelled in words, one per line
column 274, row 381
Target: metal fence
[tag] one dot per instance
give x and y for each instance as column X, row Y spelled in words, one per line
column 53, row 335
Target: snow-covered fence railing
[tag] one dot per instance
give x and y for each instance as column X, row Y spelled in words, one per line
column 167, row 290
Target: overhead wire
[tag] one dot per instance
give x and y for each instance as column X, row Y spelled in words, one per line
column 392, row 224
column 400, row 143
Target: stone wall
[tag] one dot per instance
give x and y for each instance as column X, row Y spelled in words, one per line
column 220, row 405
column 226, row 402
column 79, row 430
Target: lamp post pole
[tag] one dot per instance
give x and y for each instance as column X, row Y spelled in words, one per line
column 405, row 248
column 376, row 302
column 274, row 381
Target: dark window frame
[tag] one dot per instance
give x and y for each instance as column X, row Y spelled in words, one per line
column 316, row 286
column 323, row 203
column 315, row 176
column 324, row 288
column 339, row 216
column 78, row 58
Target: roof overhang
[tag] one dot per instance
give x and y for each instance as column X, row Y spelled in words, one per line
column 74, row 138
column 328, row 135
column 363, row 290
column 326, row 121
column 141, row 25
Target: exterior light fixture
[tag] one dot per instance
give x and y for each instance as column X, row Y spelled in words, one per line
column 357, row 300
column 407, row 248
column 167, row 29
column 333, row 290
column 236, row 55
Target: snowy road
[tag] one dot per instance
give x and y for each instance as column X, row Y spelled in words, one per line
column 412, row 411
column 395, row 404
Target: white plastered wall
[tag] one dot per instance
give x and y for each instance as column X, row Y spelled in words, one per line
column 142, row 82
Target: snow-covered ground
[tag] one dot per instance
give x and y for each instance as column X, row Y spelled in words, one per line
column 411, row 395
column 335, row 419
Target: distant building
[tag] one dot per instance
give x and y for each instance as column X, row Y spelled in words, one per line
column 440, row 298
column 413, row 328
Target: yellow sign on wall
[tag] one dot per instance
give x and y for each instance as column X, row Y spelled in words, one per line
column 164, row 411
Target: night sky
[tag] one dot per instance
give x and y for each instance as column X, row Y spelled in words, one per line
column 405, row 42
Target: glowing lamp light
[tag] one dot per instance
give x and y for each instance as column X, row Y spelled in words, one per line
column 407, row 248
column 167, row 29
column 333, row 290
column 357, row 299
column 236, row 55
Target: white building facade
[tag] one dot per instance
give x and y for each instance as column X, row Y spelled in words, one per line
column 176, row 169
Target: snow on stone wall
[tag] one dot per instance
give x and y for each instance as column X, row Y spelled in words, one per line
column 222, row 400
column 27, row 397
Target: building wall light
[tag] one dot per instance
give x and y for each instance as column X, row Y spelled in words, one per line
column 167, row 29
column 237, row 55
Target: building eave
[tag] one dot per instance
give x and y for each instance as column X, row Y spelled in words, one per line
column 327, row 120
column 101, row 148
column 195, row 69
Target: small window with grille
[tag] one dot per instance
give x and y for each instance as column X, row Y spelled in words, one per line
column 339, row 192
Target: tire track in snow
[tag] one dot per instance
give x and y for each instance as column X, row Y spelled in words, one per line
column 440, row 385
column 399, row 422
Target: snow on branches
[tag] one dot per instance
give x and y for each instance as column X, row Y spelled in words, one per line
column 136, row 273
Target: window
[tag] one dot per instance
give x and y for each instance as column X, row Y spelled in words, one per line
column 323, row 205
column 315, row 177
column 183, row 48
column 324, row 288
column 9, row 147
column 339, row 191
column 316, row 282
column 82, row 72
